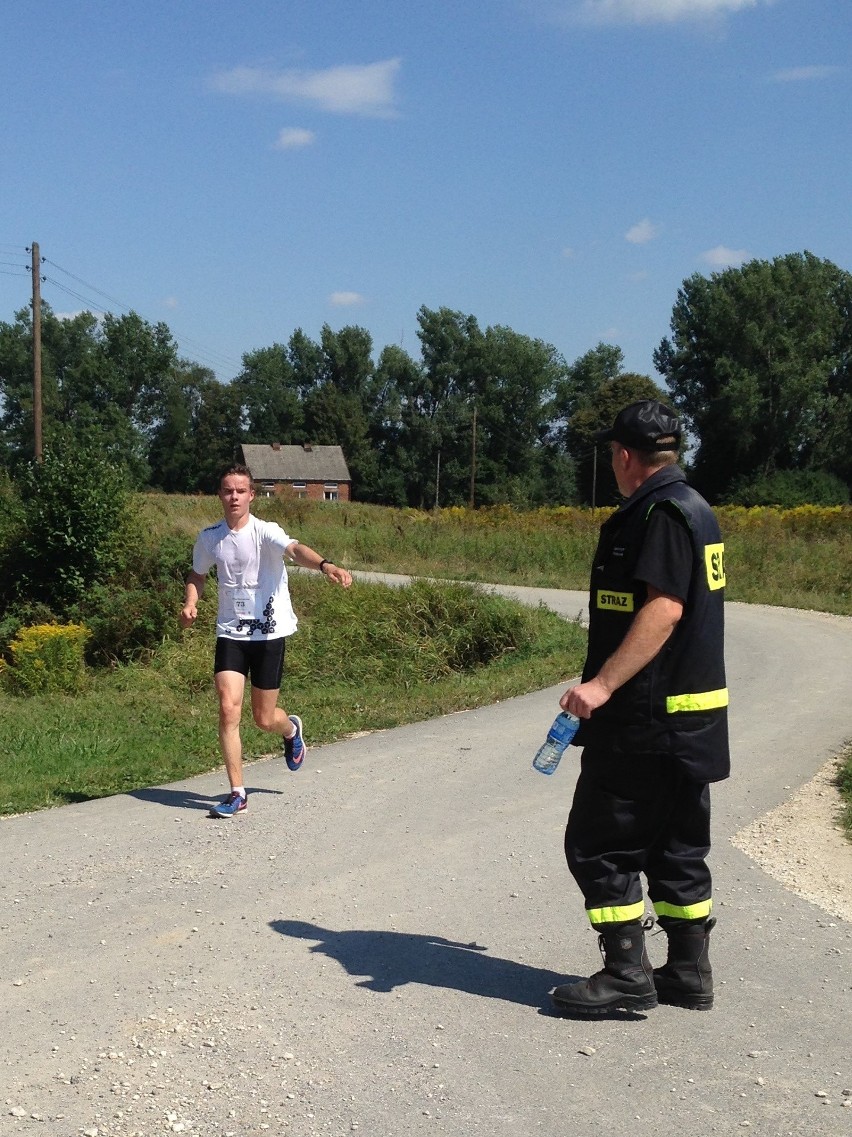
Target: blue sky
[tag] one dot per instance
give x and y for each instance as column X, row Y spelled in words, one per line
column 557, row 166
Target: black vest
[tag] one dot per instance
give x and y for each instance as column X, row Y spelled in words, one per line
column 677, row 704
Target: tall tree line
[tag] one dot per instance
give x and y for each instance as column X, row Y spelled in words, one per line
column 759, row 363
column 472, row 417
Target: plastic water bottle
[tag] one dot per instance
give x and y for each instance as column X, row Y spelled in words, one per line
column 558, row 739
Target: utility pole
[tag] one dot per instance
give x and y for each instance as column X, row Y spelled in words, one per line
column 37, row 437
column 594, row 471
column 438, row 481
column 473, row 461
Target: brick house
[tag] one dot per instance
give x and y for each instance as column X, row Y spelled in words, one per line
column 318, row 473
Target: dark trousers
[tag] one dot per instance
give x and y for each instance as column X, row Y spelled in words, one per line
column 635, row 814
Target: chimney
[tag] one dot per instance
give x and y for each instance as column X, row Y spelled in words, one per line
column 307, row 447
column 276, row 445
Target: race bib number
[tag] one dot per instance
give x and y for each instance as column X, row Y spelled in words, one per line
column 243, row 599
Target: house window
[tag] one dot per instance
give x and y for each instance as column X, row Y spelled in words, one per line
column 300, row 485
column 267, row 489
column 329, row 491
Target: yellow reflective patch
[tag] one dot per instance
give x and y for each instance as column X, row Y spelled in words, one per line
column 684, row 911
column 615, row 601
column 700, row 701
column 714, row 562
column 617, row 915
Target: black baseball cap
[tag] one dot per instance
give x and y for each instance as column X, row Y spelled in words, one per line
column 646, row 425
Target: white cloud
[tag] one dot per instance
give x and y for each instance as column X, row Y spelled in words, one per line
column 366, row 89
column 642, row 232
column 805, row 74
column 294, row 138
column 657, row 11
column 722, row 257
column 346, row 299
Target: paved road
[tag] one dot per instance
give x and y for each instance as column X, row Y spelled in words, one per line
column 369, row 949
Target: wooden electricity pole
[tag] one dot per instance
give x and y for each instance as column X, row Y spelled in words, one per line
column 37, row 435
column 473, row 461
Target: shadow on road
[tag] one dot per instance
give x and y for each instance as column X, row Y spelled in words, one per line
column 186, row 799
column 392, row 959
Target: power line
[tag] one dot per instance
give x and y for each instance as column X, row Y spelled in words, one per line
column 85, row 283
column 206, row 354
column 71, row 292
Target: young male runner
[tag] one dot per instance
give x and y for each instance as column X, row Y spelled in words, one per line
column 254, row 617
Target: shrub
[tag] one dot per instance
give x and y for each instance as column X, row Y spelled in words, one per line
column 74, row 505
column 47, row 657
column 137, row 608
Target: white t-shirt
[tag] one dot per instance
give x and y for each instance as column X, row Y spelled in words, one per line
column 254, row 599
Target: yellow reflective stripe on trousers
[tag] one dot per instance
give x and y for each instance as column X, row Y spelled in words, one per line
column 684, row 911
column 700, row 701
column 617, row 915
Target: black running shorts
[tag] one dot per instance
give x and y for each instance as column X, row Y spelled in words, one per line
column 263, row 660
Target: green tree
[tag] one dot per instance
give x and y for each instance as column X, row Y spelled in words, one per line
column 584, row 377
column 396, row 376
column 198, row 432
column 517, row 461
column 69, row 360
column 438, row 414
column 216, row 428
column 759, row 362
column 347, row 358
column 306, row 359
column 270, row 397
column 475, row 416
column 170, row 456
column 175, row 451
column 594, row 390
column 337, row 408
column 101, row 383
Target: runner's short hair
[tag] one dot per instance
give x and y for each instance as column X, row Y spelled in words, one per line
column 236, row 469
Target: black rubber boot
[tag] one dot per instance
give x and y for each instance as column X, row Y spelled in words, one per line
column 626, row 982
column 686, row 979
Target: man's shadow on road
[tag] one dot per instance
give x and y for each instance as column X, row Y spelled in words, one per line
column 393, row 959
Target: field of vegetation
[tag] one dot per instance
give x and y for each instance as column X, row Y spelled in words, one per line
column 797, row 558
column 369, row 658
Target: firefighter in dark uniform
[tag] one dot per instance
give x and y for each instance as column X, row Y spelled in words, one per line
column 653, row 708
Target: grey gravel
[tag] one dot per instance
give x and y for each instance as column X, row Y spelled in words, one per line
column 802, row 844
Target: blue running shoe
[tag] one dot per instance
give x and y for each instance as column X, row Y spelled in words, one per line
column 294, row 748
column 234, row 803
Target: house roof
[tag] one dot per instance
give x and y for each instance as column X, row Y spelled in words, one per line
column 274, row 463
